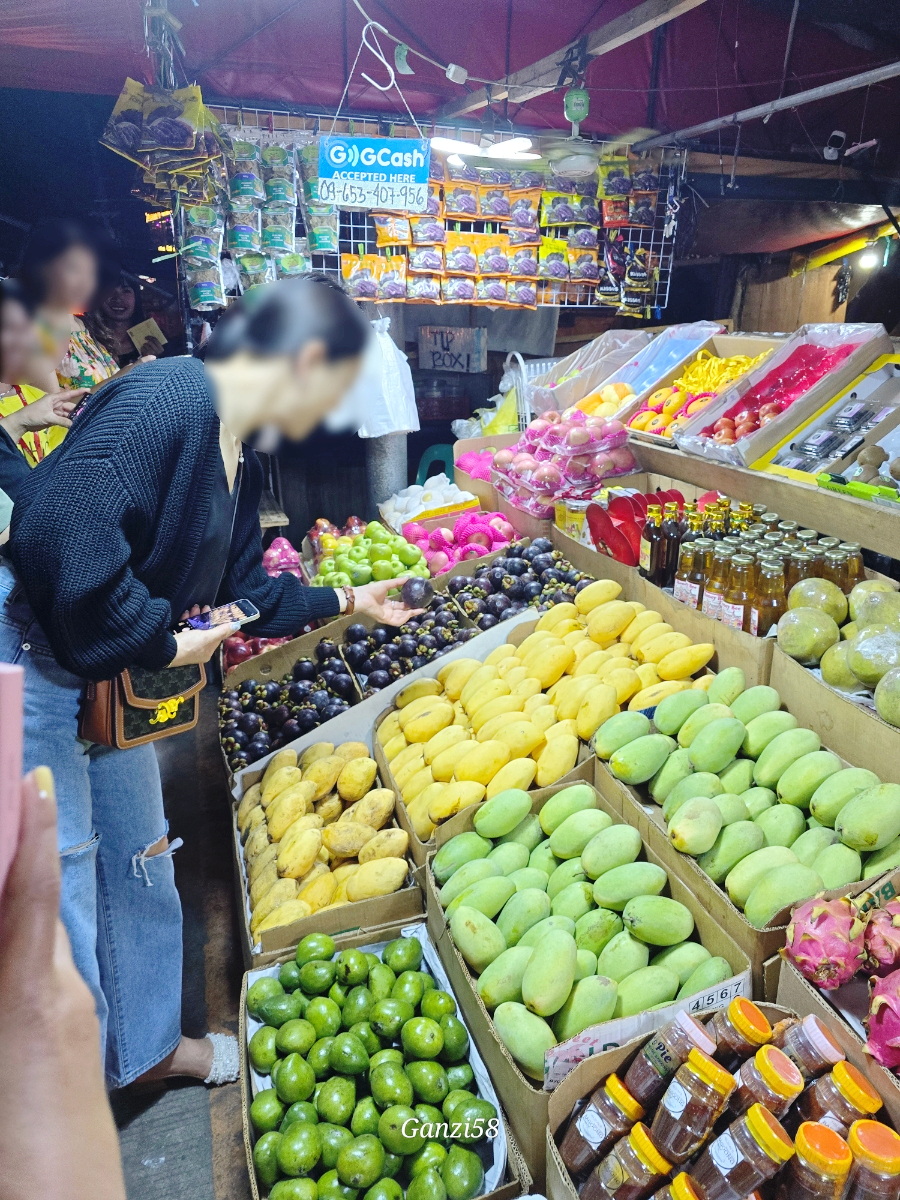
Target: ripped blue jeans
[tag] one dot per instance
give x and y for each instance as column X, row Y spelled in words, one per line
column 119, row 905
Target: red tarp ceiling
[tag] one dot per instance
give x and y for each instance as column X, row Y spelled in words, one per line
column 722, row 56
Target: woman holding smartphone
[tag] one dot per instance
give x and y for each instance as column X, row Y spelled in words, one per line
column 149, row 510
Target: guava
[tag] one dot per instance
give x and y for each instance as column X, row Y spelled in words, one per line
column 835, row 671
column 873, row 652
column 806, row 633
column 878, row 608
column 887, row 697
column 861, row 590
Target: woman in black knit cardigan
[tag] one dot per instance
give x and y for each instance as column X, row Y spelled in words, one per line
column 149, row 508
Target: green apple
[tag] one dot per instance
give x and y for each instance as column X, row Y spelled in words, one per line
column 379, row 552
column 397, row 542
column 338, row 579
column 357, row 554
column 360, row 540
column 382, row 569
column 409, row 555
column 342, row 562
column 326, row 566
column 361, row 574
column 377, row 532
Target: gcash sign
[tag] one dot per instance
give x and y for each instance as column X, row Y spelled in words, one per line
column 361, row 172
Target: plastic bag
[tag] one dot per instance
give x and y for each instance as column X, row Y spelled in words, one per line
column 389, row 395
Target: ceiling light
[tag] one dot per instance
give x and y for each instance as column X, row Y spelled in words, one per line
column 453, row 146
column 868, row 260
column 522, row 156
column 514, row 145
column 455, row 161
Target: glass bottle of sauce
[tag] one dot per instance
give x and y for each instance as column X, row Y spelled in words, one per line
column 632, row 1170
column 608, row 1115
column 739, row 1030
column 856, row 571
column 787, row 528
column 717, row 528
column 692, row 1103
column 768, row 1078
column 809, row 1044
column 751, row 1150
column 799, row 566
column 682, row 588
column 769, row 603
column 834, row 569
column 839, row 1098
column 661, row 1056
column 651, row 544
column 737, row 599
column 693, row 529
column 680, row 1188
column 716, row 583
column 875, row 1174
column 770, row 520
column 688, row 509
column 819, row 1168
column 703, row 555
column 671, row 530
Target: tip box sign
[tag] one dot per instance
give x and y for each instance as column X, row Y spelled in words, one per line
column 363, row 172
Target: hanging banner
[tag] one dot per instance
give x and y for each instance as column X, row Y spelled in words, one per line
column 365, row 172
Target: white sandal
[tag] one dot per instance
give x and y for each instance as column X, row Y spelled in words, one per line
column 225, row 1063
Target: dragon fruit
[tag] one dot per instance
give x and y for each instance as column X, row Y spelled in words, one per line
column 826, row 941
column 883, row 939
column 883, row 1022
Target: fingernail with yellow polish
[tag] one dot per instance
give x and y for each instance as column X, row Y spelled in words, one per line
column 43, row 777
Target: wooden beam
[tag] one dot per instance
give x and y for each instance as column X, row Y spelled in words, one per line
column 541, row 76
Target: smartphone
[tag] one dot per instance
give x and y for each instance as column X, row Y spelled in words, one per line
column 241, row 611
column 11, row 708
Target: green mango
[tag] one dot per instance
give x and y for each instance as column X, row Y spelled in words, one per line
column 883, row 860
column 783, row 750
column 683, row 959
column 754, row 702
column 566, row 873
column 525, row 1035
column 678, row 766
column 570, row 838
column 731, row 807
column 622, row 956
column 618, row 731
column 501, row 981
column 645, row 988
column 529, row 877
column 596, row 929
column 614, row 847
column 542, row 928
column 521, row 911
column 779, row 890
column 658, row 920
column 716, row 744
column 550, row 974
column 708, row 974
column 800, row 781
column 734, row 843
column 591, row 1002
column 810, row 845
column 509, row 857
column 528, row 833
column 758, row 800
column 461, row 1173
column 737, row 776
column 727, row 686
column 698, row 720
column 695, row 827
column 781, row 824
column 701, row 783
column 839, row 789
column 466, row 875
column 543, row 858
column 476, row 937
column 573, row 901
column 488, row 896
column 639, row 760
column 502, row 813
column 763, row 729
column 585, row 964
column 871, row 819
column 615, row 888
column 839, row 865
column 672, row 712
column 460, row 849
column 743, row 878
column 561, row 805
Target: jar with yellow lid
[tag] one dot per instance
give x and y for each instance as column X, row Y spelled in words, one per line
column 608, row 1115
column 680, row 1188
column 691, row 1105
column 819, row 1168
column 839, row 1098
column 809, row 1044
column 738, row 1031
column 632, row 1170
column 875, row 1174
column 768, row 1078
column 751, row 1150
column 559, row 514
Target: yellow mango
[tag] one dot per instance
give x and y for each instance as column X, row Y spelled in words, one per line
column 477, row 680
column 680, row 664
column 549, row 642
column 657, row 650
column 509, row 664
column 284, row 758
column 346, row 838
column 451, row 735
column 531, row 643
column 256, row 842
column 252, row 818
column 417, row 689
column 356, row 778
column 409, row 768
column 376, row 808
column 423, row 826
column 320, row 892
column 316, row 751
column 455, row 796
column 429, row 721
column 329, row 808
column 251, row 798
column 590, row 664
column 558, row 758
column 543, row 717
column 621, row 649
column 489, row 728
column 570, row 694
column 538, row 700
column 279, row 781
column 492, row 690
column 496, row 708
column 348, row 751
column 380, row 877
column 460, row 716
column 499, row 653
column 518, row 773
column 520, row 737
column 390, row 843
column 598, row 705
column 309, row 821
column 642, row 621
column 564, row 628
column 561, row 729
column 647, row 635
column 262, row 883
column 550, row 664
column 279, row 893
column 601, row 591
column 626, row 683
column 704, row 682
column 324, row 774
column 318, row 868
column 388, row 728
column 257, row 865
column 555, row 615
column 651, row 696
column 345, row 870
column 394, row 747
column 482, row 762
column 459, row 675
column 647, row 674
column 444, row 765
column 608, row 620
column 417, row 783
column 296, row 858
column 284, row 914
column 576, row 637
column 516, row 675
column 416, row 706
column 527, row 687
column 413, row 753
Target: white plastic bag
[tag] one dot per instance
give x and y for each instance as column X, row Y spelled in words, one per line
column 388, row 399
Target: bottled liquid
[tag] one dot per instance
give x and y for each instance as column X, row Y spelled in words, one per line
column 739, row 1030
column 682, row 587
column 758, row 510
column 703, row 556
column 807, row 537
column 768, row 1078
column 770, row 520
column 738, row 596
column 875, row 1174
column 787, row 527
column 651, row 555
column 608, row 1115
column 772, row 539
column 770, row 602
column 757, row 529
column 733, row 542
column 632, row 1170
column 819, row 1168
column 694, row 528
column 680, row 1188
column 799, row 566
column 828, row 543
column 751, row 1150
column 839, row 1098
column 662, row 1055
column 692, row 1103
column 717, row 527
column 671, row 530
column 855, row 569
column 716, row 582
column 809, row 1044
column 834, row 568
column 689, row 509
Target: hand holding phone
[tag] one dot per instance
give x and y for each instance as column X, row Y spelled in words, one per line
column 238, row 612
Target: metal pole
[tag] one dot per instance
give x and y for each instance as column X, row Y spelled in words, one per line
column 763, row 110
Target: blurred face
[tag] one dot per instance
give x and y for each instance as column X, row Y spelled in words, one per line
column 119, row 305
column 71, row 280
column 17, row 341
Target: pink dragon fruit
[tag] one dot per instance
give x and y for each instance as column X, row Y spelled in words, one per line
column 883, row 939
column 883, row 1021
column 826, row 941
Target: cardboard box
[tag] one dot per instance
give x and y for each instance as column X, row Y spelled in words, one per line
column 482, row 488
column 734, row 648
column 448, row 348
column 524, row 523
column 516, row 1179
column 526, row 1103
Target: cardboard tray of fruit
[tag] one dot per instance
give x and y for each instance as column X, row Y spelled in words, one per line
column 500, row 1167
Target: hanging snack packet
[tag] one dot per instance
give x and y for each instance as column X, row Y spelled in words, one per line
column 461, row 254
column 391, row 230
column 206, row 289
column 523, row 263
column 642, row 209
column 360, row 273
column 583, row 264
column 457, row 291
column 290, row 266
column 614, row 255
column 607, row 286
column 124, row 129
column 423, row 289
column 587, row 210
column 171, row 118
column 245, row 169
column 638, row 276
column 644, row 178
column 434, row 206
column 631, row 303
column 461, row 200
column 521, row 293
column 561, row 183
column 493, row 201
column 425, row 260
column 613, row 176
column 615, row 212
column 460, row 173
column 204, row 226
column 557, row 208
column 490, row 291
column 392, row 278
column 427, row 231
column 436, row 168
column 279, row 172
column 322, row 228
column 553, row 259
column 523, row 237
column 493, row 254
column 278, row 229
column 254, row 270
column 527, row 179
column 523, row 208
column 495, row 175
column 243, row 231
column 583, row 238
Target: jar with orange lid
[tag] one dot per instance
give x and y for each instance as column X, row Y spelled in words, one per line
column 839, row 1098
column 810, row 1045
column 680, row 1188
column 739, row 1030
column 632, row 1170
column 875, row 1174
column 693, row 1102
column 819, row 1168
column 768, row 1078
column 662, row 1054
column 751, row 1150
column 608, row 1115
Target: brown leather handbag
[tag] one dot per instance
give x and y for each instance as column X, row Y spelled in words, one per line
column 140, row 706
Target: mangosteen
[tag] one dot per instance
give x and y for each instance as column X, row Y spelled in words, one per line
column 396, row 671
column 299, row 692
column 391, row 650
column 227, row 727
column 582, row 584
column 381, row 661
column 326, row 678
column 542, row 545
column 497, row 605
column 343, row 685
column 304, row 668
column 516, row 566
column 307, row 718
column 236, row 740
column 459, row 583
column 418, row 660
column 356, row 632
column 237, row 762
column 542, row 562
column 277, row 716
column 552, row 575
column 515, row 590
column 319, row 699
column 248, row 687
column 507, row 613
column 379, row 635
column 531, row 591
column 501, row 563
column 571, row 577
column 487, row 621
column 290, row 730
column 427, row 641
column 334, row 709
column 250, row 723
column 232, row 695
column 474, row 607
column 465, row 635
column 261, row 742
column 326, row 649
column 407, row 646
column 378, row 680
column 559, row 597
column 416, row 592
column 444, row 637
column 366, row 668
column 356, row 654
column 495, row 577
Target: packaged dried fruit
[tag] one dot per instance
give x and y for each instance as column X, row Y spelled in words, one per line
column 360, row 274
column 460, row 200
column 642, row 208
column 279, row 171
column 290, row 266
column 613, row 176
column 644, row 178
column 425, row 260
column 254, row 270
column 496, row 175
column 490, row 291
column 423, row 289
column 391, row 230
column 436, row 168
column 562, row 183
column 278, row 229
column 584, row 237
column 493, row 254
column 458, row 291
column 493, row 201
column 204, row 226
column 245, row 169
column 615, row 212
column 124, row 129
column 523, row 263
column 434, row 205
column 527, row 178
column 557, row 208
column 322, row 228
column 243, row 231
column 582, row 264
column 521, row 293
column 553, row 259
column 587, row 210
column 392, row 278
column 524, row 207
column 460, row 173
column 171, row 118
column 638, row 275
column 461, row 253
column 427, row 231
column 206, row 289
